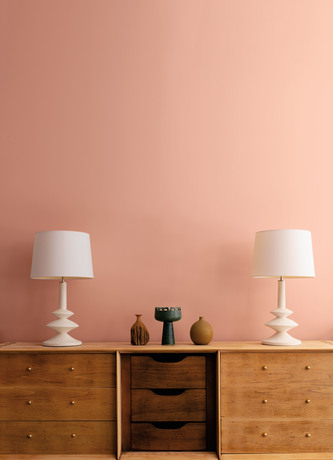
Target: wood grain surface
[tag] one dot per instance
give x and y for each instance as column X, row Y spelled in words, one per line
column 145, row 436
column 57, row 404
column 271, row 368
column 189, row 405
column 49, row 369
column 287, row 436
column 57, row 437
column 190, row 372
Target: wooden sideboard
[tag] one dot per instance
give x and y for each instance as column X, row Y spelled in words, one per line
column 237, row 399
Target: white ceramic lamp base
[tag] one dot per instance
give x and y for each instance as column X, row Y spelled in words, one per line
column 281, row 324
column 62, row 325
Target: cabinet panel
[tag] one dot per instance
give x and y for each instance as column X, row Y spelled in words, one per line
column 65, row 369
column 148, row 372
column 58, row 437
column 57, row 404
column 168, row 405
column 148, row 436
column 276, row 368
column 267, row 436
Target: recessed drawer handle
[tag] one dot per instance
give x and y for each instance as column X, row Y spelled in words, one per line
column 168, row 425
column 168, row 391
column 169, row 358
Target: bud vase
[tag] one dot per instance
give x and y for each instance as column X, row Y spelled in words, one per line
column 201, row 332
column 139, row 332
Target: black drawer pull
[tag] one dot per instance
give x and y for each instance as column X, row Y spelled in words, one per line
column 168, row 391
column 168, row 425
column 168, row 358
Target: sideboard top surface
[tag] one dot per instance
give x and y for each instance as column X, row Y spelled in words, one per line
column 125, row 347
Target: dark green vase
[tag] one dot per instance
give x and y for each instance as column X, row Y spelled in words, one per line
column 168, row 316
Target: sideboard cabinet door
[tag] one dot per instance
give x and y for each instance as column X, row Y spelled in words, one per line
column 276, row 402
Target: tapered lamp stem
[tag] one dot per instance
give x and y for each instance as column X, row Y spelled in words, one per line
column 281, row 293
column 63, row 295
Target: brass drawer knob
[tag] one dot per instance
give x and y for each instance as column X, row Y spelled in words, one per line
column 265, row 435
column 71, row 369
column 308, row 435
column 307, row 367
column 264, row 368
column 72, row 403
column 308, row 401
column 73, row 435
column 264, row 401
column 29, row 436
column 29, row 402
column 29, row 369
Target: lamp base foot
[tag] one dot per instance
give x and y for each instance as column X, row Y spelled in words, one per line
column 282, row 339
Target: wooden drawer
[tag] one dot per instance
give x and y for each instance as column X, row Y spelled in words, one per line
column 60, row 404
column 168, row 436
column 276, row 368
column 66, row 369
column 56, row 437
column 160, row 371
column 282, row 436
column 168, row 405
column 288, row 401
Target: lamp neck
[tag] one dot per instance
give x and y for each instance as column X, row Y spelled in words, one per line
column 63, row 295
column 281, row 293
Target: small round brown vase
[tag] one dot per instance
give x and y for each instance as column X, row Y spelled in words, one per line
column 201, row 332
column 139, row 332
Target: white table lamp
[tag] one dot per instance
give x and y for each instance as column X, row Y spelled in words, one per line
column 282, row 254
column 60, row 255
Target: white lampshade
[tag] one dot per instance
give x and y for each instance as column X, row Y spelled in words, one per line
column 286, row 253
column 61, row 254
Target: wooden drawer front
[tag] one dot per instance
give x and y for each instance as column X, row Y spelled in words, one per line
column 286, row 402
column 147, row 372
column 59, row 404
column 168, row 405
column 56, row 437
column 148, row 436
column 282, row 436
column 268, row 368
column 67, row 369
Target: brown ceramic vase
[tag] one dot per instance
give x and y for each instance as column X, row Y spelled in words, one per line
column 139, row 332
column 201, row 332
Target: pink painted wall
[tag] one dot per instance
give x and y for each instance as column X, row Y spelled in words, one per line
column 171, row 131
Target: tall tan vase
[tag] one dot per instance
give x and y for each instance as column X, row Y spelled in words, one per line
column 201, row 332
column 139, row 332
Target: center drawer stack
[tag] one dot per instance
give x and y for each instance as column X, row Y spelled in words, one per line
column 57, row 403
column 168, row 402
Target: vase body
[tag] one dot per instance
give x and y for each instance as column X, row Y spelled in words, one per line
column 168, row 315
column 201, row 332
column 139, row 332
